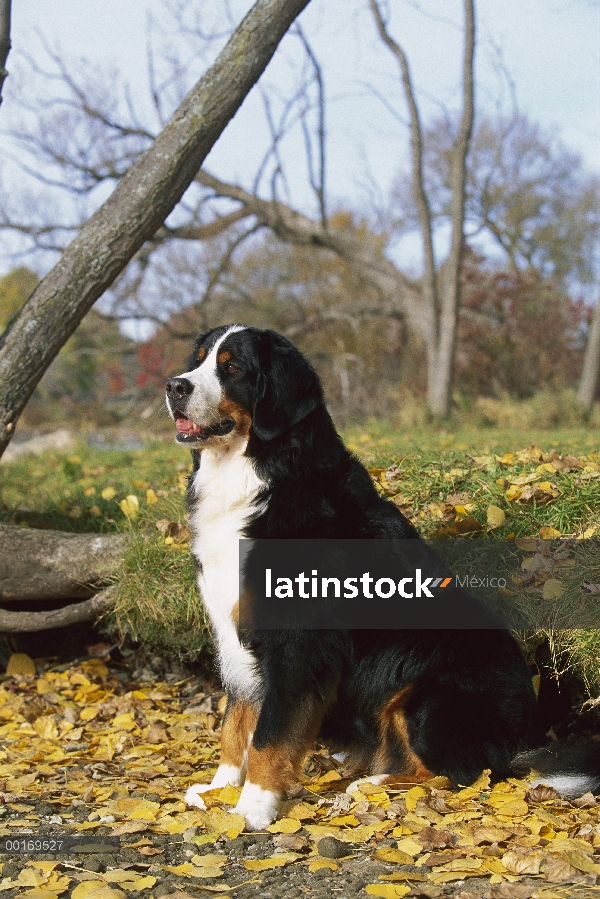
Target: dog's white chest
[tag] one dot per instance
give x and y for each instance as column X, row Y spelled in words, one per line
column 226, row 487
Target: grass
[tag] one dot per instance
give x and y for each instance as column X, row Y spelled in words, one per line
column 442, row 476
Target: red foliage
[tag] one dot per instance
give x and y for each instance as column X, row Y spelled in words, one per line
column 517, row 333
column 151, row 362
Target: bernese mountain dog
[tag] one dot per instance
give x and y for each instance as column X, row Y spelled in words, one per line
column 402, row 705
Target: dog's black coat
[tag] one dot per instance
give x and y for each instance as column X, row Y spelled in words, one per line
column 466, row 697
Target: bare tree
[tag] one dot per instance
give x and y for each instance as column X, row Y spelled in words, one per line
column 143, row 198
column 4, row 40
column 441, row 284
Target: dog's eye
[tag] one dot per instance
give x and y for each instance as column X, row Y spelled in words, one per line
column 231, row 368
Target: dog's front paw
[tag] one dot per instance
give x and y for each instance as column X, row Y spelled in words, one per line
column 193, row 793
column 373, row 779
column 259, row 807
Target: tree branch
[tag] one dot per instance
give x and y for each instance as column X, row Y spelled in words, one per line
column 137, row 207
column 26, row 622
column 418, row 180
column 292, row 227
column 5, row 44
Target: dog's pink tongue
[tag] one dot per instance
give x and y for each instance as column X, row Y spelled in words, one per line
column 187, row 426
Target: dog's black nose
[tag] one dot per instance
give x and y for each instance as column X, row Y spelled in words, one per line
column 177, row 388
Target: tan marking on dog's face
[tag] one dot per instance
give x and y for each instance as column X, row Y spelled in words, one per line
column 395, row 741
column 239, row 722
column 224, row 356
column 228, row 408
column 276, row 766
column 201, row 354
column 235, row 615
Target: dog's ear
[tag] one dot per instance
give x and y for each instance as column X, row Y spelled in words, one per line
column 196, row 356
column 287, row 387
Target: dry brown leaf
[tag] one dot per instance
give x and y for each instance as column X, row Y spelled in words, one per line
column 512, row 890
column 541, row 793
column 558, row 870
column 431, row 838
column 517, row 862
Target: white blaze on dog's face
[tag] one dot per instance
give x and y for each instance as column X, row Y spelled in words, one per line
column 212, row 399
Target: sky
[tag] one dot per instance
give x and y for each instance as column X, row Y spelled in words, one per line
column 549, row 48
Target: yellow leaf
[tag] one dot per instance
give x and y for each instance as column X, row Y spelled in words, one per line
column 345, row 821
column 29, row 878
column 517, row 808
column 506, row 459
column 495, row 517
column 328, row 777
column 276, row 861
column 548, row 533
column 581, row 861
column 43, row 865
column 302, row 811
column 151, row 497
column 45, row 727
column 221, row 822
column 83, row 890
column 211, row 859
column 108, row 493
column 315, row 864
column 410, row 847
column 178, row 869
column 39, row 893
column 412, row 797
column 89, row 491
column 285, row 825
column 553, row 589
column 105, row 892
column 387, row 890
column 142, row 814
column 88, row 713
column 20, row 663
column 130, row 506
column 396, row 856
column 205, row 871
column 229, row 795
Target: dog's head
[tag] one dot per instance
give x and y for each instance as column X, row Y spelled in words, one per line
column 241, row 381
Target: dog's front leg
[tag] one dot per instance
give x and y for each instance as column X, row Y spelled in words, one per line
column 238, row 726
column 280, row 742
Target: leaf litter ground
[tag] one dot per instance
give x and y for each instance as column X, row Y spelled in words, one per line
column 88, row 751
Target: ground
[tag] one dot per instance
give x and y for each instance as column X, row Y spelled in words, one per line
column 92, row 754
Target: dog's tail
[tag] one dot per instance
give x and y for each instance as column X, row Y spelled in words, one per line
column 572, row 767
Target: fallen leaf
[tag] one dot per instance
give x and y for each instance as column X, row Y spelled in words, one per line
column 387, row 890
column 558, row 870
column 276, row 861
column 20, row 664
column 495, row 517
column 522, row 862
column 285, row 825
column 552, row 589
column 316, row 864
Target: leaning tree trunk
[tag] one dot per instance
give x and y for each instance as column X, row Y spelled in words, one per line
column 135, row 210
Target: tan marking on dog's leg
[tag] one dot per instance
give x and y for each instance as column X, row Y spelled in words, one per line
column 273, row 769
column 238, row 725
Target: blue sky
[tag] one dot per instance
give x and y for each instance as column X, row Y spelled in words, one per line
column 549, row 47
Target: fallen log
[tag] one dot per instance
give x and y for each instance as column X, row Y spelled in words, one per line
column 37, row 565
column 28, row 622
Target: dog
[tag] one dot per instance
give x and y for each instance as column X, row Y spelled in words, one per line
column 404, row 705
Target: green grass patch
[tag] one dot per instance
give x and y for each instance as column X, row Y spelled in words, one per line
column 442, row 476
